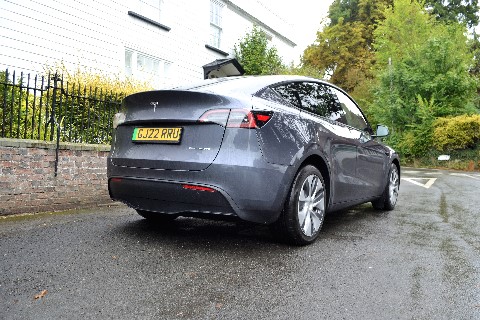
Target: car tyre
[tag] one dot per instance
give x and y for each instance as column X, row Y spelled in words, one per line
column 388, row 200
column 304, row 211
column 157, row 217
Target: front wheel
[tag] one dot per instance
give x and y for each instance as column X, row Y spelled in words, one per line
column 388, row 200
column 304, row 210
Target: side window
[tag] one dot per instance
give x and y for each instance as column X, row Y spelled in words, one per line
column 319, row 99
column 271, row 95
column 289, row 93
column 353, row 115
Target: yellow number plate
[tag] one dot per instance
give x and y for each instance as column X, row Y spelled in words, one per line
column 159, row 135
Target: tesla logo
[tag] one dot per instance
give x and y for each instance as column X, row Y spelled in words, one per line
column 154, row 104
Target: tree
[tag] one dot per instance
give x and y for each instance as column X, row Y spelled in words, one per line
column 463, row 11
column 423, row 73
column 343, row 49
column 255, row 56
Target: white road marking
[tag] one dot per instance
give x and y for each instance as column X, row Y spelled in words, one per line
column 427, row 185
column 409, row 172
column 412, row 172
column 465, row 175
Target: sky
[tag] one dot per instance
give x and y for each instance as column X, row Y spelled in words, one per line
column 304, row 17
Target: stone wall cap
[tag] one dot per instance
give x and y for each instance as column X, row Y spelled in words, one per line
column 28, row 143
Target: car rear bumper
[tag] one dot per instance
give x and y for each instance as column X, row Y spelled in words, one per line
column 245, row 185
column 168, row 197
column 261, row 203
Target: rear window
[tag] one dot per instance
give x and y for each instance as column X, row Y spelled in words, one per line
column 248, row 85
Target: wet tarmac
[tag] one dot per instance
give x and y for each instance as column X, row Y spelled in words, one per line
column 420, row 261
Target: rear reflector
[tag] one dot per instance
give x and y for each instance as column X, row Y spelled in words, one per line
column 116, row 180
column 197, row 188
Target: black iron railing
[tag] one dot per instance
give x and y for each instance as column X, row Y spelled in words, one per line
column 49, row 108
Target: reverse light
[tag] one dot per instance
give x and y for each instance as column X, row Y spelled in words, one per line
column 237, row 118
column 218, row 116
column 118, row 119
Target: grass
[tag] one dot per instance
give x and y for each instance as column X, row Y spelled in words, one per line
column 465, row 160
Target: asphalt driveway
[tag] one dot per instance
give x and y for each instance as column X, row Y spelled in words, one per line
column 420, row 261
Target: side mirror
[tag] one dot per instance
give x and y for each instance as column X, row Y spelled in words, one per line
column 382, row 131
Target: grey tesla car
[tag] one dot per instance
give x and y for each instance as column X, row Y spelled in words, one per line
column 277, row 150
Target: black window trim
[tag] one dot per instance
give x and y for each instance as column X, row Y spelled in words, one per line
column 223, row 53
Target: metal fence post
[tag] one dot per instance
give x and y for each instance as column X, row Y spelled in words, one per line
column 53, row 120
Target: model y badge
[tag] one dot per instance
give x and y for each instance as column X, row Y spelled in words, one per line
column 154, row 104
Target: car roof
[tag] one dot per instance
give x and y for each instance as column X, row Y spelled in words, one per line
column 248, row 85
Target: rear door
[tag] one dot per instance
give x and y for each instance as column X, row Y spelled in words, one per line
column 320, row 110
column 318, row 100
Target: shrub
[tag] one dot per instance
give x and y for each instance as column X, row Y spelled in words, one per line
column 88, row 100
column 457, row 133
column 114, row 84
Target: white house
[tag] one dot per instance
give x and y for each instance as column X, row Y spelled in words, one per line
column 163, row 41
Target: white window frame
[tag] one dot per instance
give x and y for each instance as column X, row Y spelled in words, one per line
column 151, row 9
column 152, row 75
column 216, row 15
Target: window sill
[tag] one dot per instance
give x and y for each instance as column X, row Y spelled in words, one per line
column 150, row 21
column 223, row 53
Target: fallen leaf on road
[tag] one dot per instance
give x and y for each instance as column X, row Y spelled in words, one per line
column 41, row 295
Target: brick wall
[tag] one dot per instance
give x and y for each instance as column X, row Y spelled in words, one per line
column 28, row 183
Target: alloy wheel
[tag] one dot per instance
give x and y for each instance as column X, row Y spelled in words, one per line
column 393, row 186
column 311, row 205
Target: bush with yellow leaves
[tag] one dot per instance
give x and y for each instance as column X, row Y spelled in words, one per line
column 88, row 100
column 457, row 133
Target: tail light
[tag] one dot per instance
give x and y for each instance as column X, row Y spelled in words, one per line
column 237, row 118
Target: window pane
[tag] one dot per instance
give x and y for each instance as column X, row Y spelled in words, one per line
column 128, row 62
column 289, row 93
column 271, row 95
column 215, row 13
column 145, row 67
column 215, row 36
column 150, row 8
column 319, row 99
column 353, row 115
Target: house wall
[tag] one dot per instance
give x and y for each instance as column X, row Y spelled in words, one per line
column 94, row 34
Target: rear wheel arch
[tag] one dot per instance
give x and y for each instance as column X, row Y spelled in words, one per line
column 397, row 163
column 319, row 162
